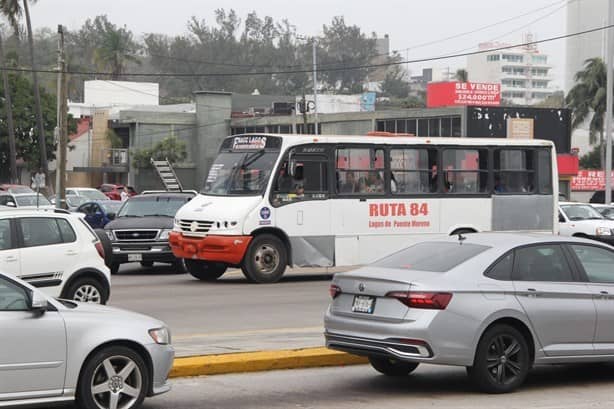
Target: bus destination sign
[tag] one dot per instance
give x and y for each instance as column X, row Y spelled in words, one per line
column 249, row 142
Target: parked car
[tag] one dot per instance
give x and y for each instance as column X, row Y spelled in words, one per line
column 141, row 228
column 59, row 350
column 599, row 197
column 72, row 201
column 6, row 187
column 582, row 220
column 495, row 303
column 99, row 213
column 24, row 200
column 89, row 193
column 114, row 192
column 606, row 211
column 56, row 251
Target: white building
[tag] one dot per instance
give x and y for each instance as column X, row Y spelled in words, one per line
column 582, row 16
column 523, row 72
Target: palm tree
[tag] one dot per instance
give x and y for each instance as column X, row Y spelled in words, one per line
column 588, row 96
column 117, row 49
column 461, row 75
column 13, row 10
column 9, row 117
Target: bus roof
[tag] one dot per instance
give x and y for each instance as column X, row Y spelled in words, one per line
column 298, row 139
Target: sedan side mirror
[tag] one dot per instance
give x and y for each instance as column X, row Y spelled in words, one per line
column 38, row 303
column 111, row 216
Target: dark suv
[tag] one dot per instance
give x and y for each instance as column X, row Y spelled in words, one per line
column 140, row 230
column 599, row 196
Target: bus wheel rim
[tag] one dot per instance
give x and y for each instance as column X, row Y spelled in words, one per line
column 266, row 259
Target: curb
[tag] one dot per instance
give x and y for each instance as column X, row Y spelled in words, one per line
column 261, row 361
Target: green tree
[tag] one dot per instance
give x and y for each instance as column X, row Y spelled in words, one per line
column 170, row 148
column 13, row 10
column 588, row 96
column 394, row 84
column 345, row 46
column 26, row 144
column 115, row 50
column 12, row 149
column 461, row 75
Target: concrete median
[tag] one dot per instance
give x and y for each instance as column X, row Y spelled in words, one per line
column 261, row 361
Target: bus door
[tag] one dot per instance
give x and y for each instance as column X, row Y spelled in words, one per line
column 302, row 209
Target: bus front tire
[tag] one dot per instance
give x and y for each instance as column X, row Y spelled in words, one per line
column 266, row 259
column 205, row 270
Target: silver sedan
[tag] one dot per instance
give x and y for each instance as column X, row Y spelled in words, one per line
column 492, row 302
column 53, row 351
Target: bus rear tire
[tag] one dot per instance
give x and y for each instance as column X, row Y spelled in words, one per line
column 205, row 270
column 266, row 259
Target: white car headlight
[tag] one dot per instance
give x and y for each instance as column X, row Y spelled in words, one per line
column 164, row 234
column 603, row 231
column 110, row 234
column 160, row 336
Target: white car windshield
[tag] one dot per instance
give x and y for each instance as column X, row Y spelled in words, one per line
column 92, row 194
column 30, row 200
column 152, row 206
column 581, row 212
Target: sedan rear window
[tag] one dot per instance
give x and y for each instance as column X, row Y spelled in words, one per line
column 433, row 256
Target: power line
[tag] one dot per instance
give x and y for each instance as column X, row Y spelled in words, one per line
column 356, row 67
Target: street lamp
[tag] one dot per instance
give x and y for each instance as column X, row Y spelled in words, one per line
column 315, row 79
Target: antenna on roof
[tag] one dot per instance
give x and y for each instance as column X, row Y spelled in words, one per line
column 461, row 238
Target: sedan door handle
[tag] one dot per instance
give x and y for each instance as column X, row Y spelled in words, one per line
column 531, row 292
column 604, row 292
column 71, row 253
column 10, row 259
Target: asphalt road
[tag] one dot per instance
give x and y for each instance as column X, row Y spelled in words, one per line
column 230, row 314
column 561, row 387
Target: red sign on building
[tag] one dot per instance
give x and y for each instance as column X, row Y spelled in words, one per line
column 589, row 180
column 441, row 94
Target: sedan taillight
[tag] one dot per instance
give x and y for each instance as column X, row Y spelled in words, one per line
column 334, row 291
column 100, row 249
column 424, row 300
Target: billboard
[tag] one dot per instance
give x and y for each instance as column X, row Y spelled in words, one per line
column 589, row 180
column 441, row 94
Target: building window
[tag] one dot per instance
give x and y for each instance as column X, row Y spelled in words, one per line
column 540, row 84
column 512, row 57
column 539, row 59
column 495, row 57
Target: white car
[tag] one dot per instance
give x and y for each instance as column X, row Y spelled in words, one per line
column 55, row 251
column 87, row 193
column 582, row 220
column 24, row 200
column 55, row 351
column 606, row 211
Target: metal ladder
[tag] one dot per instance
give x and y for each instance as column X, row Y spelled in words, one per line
column 167, row 174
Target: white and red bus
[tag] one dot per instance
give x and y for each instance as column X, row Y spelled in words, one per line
column 272, row 201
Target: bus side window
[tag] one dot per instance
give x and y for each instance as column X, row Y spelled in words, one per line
column 360, row 171
column 413, row 171
column 465, row 170
column 515, row 171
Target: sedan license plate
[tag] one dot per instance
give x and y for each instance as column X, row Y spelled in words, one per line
column 363, row 304
column 135, row 257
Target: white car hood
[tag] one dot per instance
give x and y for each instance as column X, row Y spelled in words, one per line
column 110, row 313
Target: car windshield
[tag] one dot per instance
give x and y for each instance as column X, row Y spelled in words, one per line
column 30, row 200
column 431, row 256
column 111, row 206
column 607, row 212
column 93, row 194
column 240, row 173
column 20, row 189
column 152, row 206
column 74, row 200
column 581, row 212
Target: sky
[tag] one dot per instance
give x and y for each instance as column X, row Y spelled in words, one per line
column 409, row 23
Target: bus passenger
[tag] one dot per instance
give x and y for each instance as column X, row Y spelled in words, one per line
column 350, row 183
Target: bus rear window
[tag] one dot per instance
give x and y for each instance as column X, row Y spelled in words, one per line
column 437, row 257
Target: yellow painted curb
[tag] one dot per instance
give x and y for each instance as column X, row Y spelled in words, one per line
column 261, row 361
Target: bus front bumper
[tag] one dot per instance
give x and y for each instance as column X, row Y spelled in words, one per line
column 223, row 249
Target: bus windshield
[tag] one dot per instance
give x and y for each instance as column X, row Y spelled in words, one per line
column 240, row 173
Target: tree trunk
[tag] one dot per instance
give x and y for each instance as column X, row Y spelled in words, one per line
column 9, row 117
column 37, row 98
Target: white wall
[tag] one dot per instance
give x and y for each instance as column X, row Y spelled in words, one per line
column 111, row 93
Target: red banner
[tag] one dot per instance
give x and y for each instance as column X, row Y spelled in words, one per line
column 441, row 94
column 589, row 180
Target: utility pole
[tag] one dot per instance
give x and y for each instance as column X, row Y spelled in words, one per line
column 609, row 101
column 315, row 83
column 61, row 127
